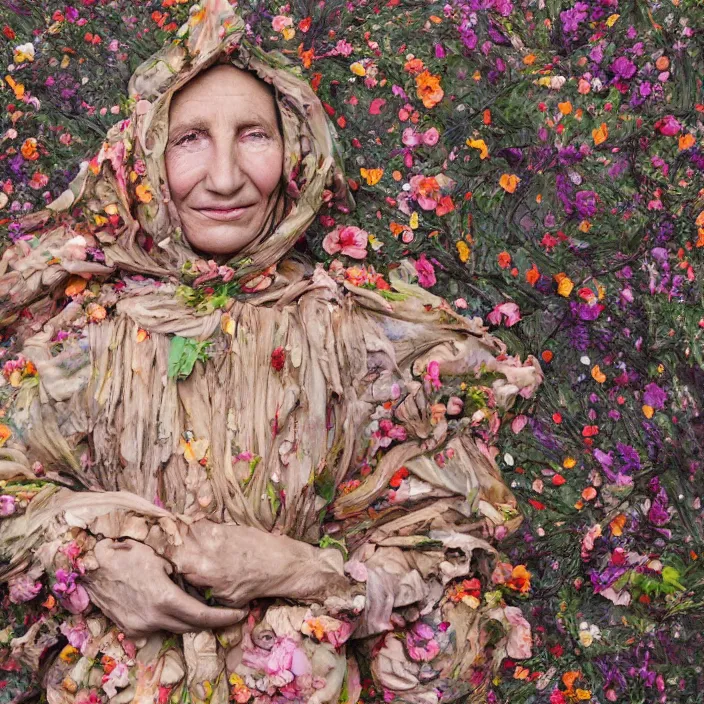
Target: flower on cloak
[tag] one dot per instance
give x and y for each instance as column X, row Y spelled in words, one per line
column 508, row 312
column 348, row 240
column 429, row 89
column 7, row 505
column 432, row 377
column 118, row 677
column 425, row 271
column 73, row 596
column 23, row 588
column 421, row 644
column 519, row 644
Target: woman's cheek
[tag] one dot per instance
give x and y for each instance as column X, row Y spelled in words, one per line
column 182, row 172
column 268, row 171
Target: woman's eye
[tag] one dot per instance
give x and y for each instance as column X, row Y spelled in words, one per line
column 190, row 137
column 258, row 135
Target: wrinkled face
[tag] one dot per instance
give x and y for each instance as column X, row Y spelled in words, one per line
column 224, row 159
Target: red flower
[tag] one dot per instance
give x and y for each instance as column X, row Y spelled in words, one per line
column 278, row 358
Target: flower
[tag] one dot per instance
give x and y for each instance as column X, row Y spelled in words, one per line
column 509, row 312
column 278, row 359
column 425, row 271
column 420, row 643
column 23, row 588
column 24, row 52
column 654, row 396
column 509, row 182
column 668, row 126
column 428, row 88
column 348, row 240
column 7, row 505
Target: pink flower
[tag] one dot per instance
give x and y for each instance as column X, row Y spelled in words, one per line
column 348, row 240
column 431, row 137
column 519, row 637
column 280, row 22
column 7, row 505
column 455, row 406
column 668, row 126
column 431, row 380
column 425, row 271
column 23, row 588
column 411, row 138
column 508, row 311
column 420, row 643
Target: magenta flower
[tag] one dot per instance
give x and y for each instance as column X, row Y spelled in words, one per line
column 420, row 643
column 623, row 67
column 348, row 240
column 668, row 126
column 425, row 271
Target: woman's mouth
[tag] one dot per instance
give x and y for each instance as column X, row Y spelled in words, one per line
column 224, row 213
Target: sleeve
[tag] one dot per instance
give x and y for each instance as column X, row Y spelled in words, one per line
column 427, row 505
column 52, row 504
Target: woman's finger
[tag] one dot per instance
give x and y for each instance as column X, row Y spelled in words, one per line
column 197, row 615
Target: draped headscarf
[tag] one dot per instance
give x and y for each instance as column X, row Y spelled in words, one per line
column 125, row 222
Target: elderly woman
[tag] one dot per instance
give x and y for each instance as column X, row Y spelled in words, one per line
column 225, row 473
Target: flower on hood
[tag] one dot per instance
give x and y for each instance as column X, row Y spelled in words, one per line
column 421, row 644
column 348, row 240
column 23, row 588
column 668, row 126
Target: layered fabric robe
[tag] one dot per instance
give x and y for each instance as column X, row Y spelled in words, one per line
column 144, row 386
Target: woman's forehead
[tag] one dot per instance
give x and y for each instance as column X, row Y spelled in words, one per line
column 220, row 86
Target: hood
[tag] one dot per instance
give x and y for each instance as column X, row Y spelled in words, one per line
column 115, row 216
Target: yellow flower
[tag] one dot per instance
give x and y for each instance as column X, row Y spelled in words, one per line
column 413, row 222
column 648, row 411
column 611, row 20
column 564, row 284
column 569, row 462
column 463, row 251
column 358, row 69
column 288, row 32
column 23, row 53
column 509, row 182
column 479, row 144
column 371, row 176
column 69, row 654
column 586, row 638
column 583, row 694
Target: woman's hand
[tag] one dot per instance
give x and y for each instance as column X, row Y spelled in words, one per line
column 240, row 563
column 132, row 588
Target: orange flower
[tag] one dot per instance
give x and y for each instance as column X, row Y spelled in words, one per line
column 509, row 182
column 618, row 524
column 414, row 66
column 144, row 192
column 520, row 579
column 29, row 149
column 504, row 260
column 429, row 90
column 565, row 108
column 598, row 375
column 532, row 275
column 5, row 434
column 600, row 134
column 686, row 141
column 76, row 285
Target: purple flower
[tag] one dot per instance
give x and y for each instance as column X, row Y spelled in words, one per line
column 586, row 203
column 658, row 514
column 571, row 19
column 23, row 588
column 654, row 396
column 7, row 505
column 623, row 68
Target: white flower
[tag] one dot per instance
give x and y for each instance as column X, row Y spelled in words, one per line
column 24, row 52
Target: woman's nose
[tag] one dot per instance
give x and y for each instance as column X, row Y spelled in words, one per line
column 225, row 173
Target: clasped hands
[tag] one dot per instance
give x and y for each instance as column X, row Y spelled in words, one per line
column 132, row 587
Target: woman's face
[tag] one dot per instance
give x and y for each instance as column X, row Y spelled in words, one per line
column 224, row 158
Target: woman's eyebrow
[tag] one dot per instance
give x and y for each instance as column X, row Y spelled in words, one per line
column 198, row 123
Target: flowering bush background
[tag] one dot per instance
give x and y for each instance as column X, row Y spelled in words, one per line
column 540, row 164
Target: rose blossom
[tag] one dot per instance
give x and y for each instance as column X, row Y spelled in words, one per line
column 348, row 240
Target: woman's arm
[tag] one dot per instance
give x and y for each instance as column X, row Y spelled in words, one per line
column 424, row 520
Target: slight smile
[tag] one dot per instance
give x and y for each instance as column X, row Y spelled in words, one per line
column 223, row 213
